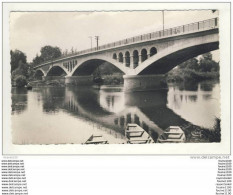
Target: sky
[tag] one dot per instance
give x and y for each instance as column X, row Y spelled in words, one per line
column 29, row 31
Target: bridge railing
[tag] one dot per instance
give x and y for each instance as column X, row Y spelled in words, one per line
column 188, row 28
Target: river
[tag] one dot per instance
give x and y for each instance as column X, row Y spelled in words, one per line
column 70, row 115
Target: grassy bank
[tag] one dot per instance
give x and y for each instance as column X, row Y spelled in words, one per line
column 177, row 75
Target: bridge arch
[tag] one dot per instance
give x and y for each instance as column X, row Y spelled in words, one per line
column 57, row 70
column 127, row 59
column 114, row 56
column 135, row 58
column 120, row 56
column 39, row 73
column 143, row 55
column 88, row 66
column 167, row 59
column 153, row 51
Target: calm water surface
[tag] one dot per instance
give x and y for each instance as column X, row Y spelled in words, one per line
column 67, row 115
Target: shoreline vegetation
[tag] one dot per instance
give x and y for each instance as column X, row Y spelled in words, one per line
column 179, row 75
column 113, row 79
column 42, row 83
column 175, row 76
column 196, row 70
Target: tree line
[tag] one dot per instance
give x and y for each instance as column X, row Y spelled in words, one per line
column 21, row 71
column 204, row 64
column 47, row 53
column 204, row 68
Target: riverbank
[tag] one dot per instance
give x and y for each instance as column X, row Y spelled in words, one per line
column 41, row 83
column 178, row 75
column 110, row 80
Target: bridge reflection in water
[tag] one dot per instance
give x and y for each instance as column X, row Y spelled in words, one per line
column 111, row 110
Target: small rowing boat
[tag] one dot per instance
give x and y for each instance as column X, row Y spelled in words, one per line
column 173, row 134
column 137, row 135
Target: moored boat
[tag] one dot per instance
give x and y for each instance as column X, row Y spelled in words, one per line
column 137, row 135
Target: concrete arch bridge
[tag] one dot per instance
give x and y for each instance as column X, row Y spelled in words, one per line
column 143, row 59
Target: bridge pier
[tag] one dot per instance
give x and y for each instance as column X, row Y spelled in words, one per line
column 79, row 80
column 144, row 82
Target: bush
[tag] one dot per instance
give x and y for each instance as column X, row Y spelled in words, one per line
column 20, row 81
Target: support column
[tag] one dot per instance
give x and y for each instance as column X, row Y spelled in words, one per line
column 79, row 80
column 139, row 59
column 125, row 62
column 131, row 62
column 144, row 82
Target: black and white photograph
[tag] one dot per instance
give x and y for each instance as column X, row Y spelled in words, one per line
column 148, row 77
column 116, row 98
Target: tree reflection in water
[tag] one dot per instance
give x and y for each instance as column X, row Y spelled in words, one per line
column 188, row 86
column 206, row 86
column 53, row 98
column 147, row 109
column 19, row 100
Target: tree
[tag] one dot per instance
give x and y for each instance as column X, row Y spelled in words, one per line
column 19, row 66
column 190, row 64
column 207, row 56
column 106, row 69
column 215, row 67
column 37, row 60
column 49, row 52
column 31, row 71
column 207, row 64
column 20, row 81
column 22, row 70
column 16, row 57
